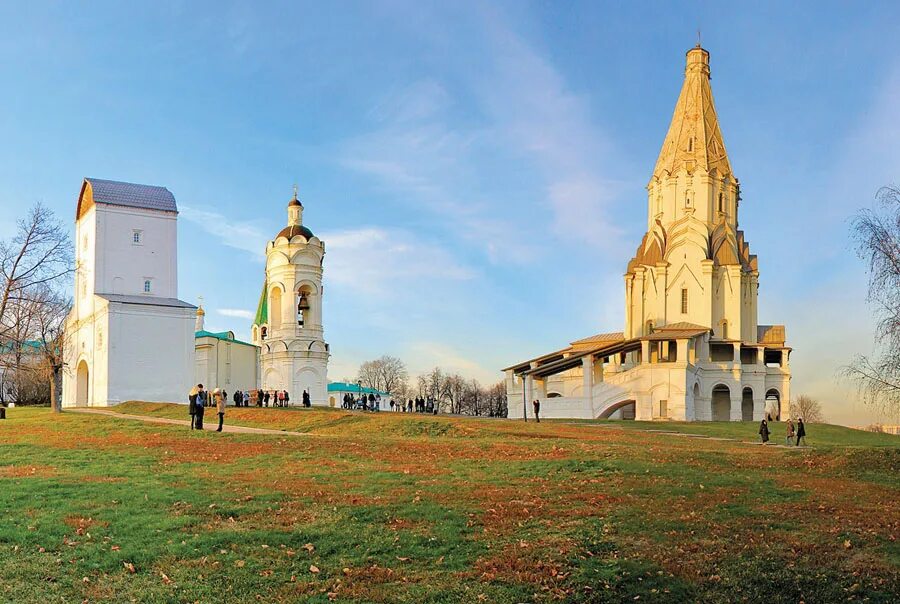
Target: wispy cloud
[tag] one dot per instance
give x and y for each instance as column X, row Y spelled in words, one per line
column 380, row 260
column 429, row 156
column 236, row 312
column 240, row 234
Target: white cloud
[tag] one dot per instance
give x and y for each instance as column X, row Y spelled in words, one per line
column 236, row 312
column 243, row 235
column 380, row 260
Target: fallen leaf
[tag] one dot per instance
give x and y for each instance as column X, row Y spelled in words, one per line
column 129, row 566
column 313, row 568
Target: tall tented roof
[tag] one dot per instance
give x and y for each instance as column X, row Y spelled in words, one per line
column 127, row 194
column 694, row 139
column 262, row 309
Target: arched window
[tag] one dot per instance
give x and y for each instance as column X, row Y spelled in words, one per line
column 648, row 329
column 721, row 201
column 684, row 300
column 303, row 305
column 691, row 144
column 263, row 332
column 275, row 308
column 724, row 329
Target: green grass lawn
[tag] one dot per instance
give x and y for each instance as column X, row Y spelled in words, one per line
column 422, row 509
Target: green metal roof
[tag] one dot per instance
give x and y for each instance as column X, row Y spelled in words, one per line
column 225, row 336
column 262, row 309
column 353, row 388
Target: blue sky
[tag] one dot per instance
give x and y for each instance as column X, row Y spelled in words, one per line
column 476, row 170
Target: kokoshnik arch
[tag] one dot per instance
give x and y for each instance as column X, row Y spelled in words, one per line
column 691, row 348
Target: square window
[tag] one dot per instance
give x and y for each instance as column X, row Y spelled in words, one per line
column 146, row 286
column 684, row 301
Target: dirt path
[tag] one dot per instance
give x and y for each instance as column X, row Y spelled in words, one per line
column 187, row 423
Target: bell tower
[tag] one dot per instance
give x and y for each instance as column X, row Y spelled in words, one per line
column 693, row 265
column 288, row 325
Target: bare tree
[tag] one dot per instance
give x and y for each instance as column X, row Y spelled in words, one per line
column 387, row 374
column 51, row 310
column 39, row 254
column 877, row 235
column 808, row 408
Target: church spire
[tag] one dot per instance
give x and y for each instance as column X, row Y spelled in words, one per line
column 295, row 210
column 694, row 139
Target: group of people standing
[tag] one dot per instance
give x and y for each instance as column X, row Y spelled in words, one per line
column 418, row 405
column 798, row 433
column 199, row 399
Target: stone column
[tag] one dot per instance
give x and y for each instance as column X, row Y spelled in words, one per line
column 587, row 368
column 645, row 352
column 529, row 393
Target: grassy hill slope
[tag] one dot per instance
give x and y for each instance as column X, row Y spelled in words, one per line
column 408, row 508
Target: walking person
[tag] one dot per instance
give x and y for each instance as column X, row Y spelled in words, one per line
column 764, row 431
column 201, row 405
column 265, row 399
column 537, row 410
column 192, row 405
column 219, row 398
column 238, row 398
column 801, row 431
column 287, row 399
column 306, row 401
column 790, row 432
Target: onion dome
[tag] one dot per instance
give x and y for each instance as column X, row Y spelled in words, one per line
column 292, row 231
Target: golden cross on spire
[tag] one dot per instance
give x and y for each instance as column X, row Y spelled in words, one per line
column 200, row 300
column 295, row 190
column 698, row 37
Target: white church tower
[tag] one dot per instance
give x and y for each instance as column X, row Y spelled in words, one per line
column 128, row 336
column 288, row 324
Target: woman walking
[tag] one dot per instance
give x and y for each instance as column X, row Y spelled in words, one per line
column 219, row 397
column 790, row 432
column 764, row 431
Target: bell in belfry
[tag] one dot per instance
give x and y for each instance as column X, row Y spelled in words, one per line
column 304, row 303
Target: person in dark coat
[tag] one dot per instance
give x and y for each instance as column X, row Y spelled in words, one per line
column 537, row 410
column 287, row 399
column 801, row 431
column 238, row 398
column 201, row 403
column 764, row 431
column 265, row 400
column 306, row 401
column 192, row 405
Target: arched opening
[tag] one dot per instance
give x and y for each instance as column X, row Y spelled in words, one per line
column 773, row 404
column 621, row 410
column 721, row 403
column 553, row 395
column 81, row 384
column 648, row 329
column 304, row 305
column 747, row 405
column 263, row 332
column 275, row 308
column 255, row 334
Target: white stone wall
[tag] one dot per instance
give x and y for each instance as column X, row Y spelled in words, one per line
column 227, row 365
column 121, row 265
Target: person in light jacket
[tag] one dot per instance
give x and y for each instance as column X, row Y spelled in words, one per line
column 192, row 405
column 219, row 398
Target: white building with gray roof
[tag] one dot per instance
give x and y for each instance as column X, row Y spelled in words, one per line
column 128, row 336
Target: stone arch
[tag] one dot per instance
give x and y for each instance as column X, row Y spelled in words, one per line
column 747, row 404
column 275, row 313
column 82, row 384
column 306, row 378
column 271, row 379
column 720, row 403
column 254, row 334
column 773, row 404
column 627, row 406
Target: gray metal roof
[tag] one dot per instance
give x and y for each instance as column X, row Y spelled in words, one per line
column 146, row 300
column 132, row 195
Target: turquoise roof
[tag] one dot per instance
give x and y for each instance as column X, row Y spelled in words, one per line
column 225, row 336
column 353, row 388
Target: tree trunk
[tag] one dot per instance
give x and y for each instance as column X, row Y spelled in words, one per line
column 56, row 389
